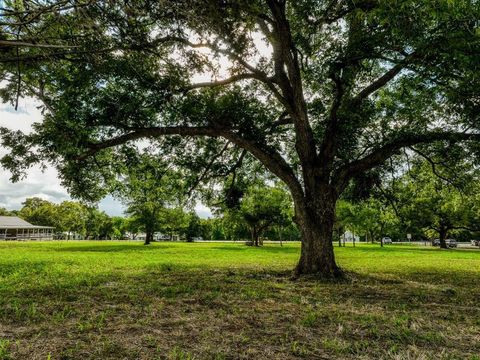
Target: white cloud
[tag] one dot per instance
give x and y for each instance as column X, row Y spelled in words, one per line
column 44, row 184
column 111, row 206
column 203, row 211
column 22, row 118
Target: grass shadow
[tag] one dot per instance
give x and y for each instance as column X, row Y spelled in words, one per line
column 26, row 268
column 269, row 248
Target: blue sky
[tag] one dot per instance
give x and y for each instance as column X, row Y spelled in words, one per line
column 44, row 184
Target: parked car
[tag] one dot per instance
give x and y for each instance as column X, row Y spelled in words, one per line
column 475, row 242
column 387, row 240
column 451, row 243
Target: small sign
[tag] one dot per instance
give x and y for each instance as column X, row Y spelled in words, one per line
column 409, row 236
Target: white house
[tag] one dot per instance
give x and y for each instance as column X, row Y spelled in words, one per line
column 349, row 236
column 14, row 228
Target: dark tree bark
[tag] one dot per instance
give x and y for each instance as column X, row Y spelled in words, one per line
column 443, row 231
column 255, row 235
column 148, row 237
column 315, row 219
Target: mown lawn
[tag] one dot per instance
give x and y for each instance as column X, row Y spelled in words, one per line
column 122, row 300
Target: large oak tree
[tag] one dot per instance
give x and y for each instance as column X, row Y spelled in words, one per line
column 319, row 92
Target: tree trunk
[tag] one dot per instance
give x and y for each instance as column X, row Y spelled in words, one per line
column 443, row 236
column 315, row 219
column 255, row 235
column 148, row 237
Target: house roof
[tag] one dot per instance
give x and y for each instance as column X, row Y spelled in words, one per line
column 14, row 222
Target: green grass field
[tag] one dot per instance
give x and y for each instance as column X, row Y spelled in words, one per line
column 122, row 300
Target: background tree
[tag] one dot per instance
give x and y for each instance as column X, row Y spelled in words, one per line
column 133, row 226
column 106, row 229
column 194, row 228
column 38, row 211
column 369, row 218
column 5, row 212
column 263, row 207
column 233, row 225
column 319, row 92
column 119, row 228
column 72, row 218
column 206, row 228
column 217, row 229
column 146, row 189
column 97, row 224
column 435, row 203
column 174, row 221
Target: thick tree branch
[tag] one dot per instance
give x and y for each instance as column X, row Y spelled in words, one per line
column 15, row 43
column 468, row 228
column 434, row 168
column 379, row 155
column 382, row 80
column 328, row 147
column 258, row 74
column 207, row 168
column 283, row 119
column 267, row 155
column 288, row 76
column 150, row 133
column 45, row 9
column 271, row 159
column 237, row 164
column 227, row 81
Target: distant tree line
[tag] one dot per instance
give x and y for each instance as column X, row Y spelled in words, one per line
column 427, row 201
column 75, row 219
column 259, row 216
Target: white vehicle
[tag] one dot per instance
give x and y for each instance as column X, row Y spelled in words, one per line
column 386, row 240
column 451, row 243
